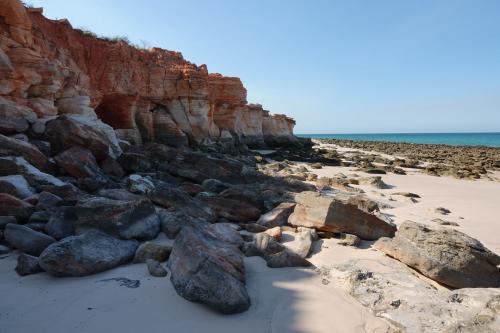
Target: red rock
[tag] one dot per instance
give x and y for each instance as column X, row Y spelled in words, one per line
column 14, row 147
column 145, row 95
column 78, row 162
column 12, row 206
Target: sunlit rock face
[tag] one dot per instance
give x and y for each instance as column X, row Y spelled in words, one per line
column 51, row 69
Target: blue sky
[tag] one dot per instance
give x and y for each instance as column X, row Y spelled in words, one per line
column 351, row 66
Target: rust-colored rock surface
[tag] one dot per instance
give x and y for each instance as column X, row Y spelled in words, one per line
column 50, row 68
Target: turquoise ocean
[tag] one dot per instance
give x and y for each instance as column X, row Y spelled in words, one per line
column 491, row 139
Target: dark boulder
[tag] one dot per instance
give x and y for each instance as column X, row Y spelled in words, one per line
column 62, row 223
column 27, row 265
column 27, row 240
column 170, row 197
column 120, row 218
column 173, row 222
column 14, row 147
column 12, row 206
column 208, row 269
column 197, row 167
column 89, row 253
column 232, row 208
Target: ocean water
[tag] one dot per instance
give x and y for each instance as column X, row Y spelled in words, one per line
column 491, row 139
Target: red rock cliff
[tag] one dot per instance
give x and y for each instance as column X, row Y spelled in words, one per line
column 48, row 69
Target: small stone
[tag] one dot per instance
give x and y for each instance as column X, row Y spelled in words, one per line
column 155, row 268
column 274, row 233
column 442, row 211
column 317, row 166
column 407, row 194
column 149, row 250
column 139, row 185
column 349, row 240
column 444, row 222
column 27, row 265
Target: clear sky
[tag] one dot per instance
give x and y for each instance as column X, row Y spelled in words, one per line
column 350, row 66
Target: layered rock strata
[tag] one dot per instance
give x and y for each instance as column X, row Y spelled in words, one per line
column 48, row 69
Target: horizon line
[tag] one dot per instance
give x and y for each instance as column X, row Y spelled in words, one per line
column 488, row 132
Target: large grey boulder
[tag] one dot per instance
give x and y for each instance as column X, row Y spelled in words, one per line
column 444, row 255
column 207, row 268
column 326, row 213
column 120, row 218
column 27, row 240
column 89, row 253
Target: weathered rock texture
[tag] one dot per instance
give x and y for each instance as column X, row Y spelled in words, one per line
column 207, row 267
column 48, row 69
column 445, row 255
column 326, row 213
column 383, row 287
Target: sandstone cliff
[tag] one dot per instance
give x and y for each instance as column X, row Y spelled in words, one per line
column 48, row 69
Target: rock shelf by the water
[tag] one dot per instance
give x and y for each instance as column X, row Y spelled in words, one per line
column 443, row 160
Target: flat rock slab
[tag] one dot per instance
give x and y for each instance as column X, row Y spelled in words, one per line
column 444, row 255
column 325, row 213
column 415, row 304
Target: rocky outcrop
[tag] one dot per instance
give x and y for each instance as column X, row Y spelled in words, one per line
column 445, row 255
column 50, row 69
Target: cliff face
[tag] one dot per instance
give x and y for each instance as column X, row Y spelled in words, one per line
column 51, row 69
